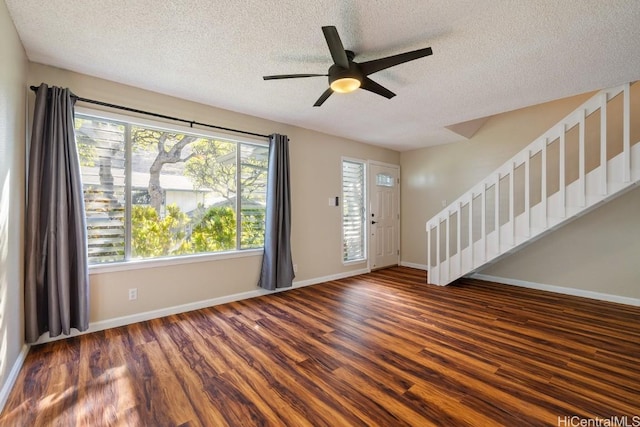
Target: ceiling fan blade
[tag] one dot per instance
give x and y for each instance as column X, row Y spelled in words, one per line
column 327, row 93
column 292, row 76
column 335, row 46
column 370, row 67
column 371, row 86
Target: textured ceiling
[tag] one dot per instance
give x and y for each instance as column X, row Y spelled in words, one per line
column 489, row 56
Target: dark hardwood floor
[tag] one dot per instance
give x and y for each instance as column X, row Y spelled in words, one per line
column 381, row 349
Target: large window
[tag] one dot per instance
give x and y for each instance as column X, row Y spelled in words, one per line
column 156, row 192
column 353, row 211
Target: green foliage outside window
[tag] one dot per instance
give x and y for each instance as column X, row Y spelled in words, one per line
column 153, row 236
column 216, row 231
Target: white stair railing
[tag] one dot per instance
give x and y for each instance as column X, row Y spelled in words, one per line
column 472, row 231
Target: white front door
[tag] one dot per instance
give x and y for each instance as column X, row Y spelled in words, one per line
column 384, row 215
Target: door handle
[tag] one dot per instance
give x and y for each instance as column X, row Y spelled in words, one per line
column 373, row 222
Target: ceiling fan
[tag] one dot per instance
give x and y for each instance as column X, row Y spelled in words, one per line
column 345, row 75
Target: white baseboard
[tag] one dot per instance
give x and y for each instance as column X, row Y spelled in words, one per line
column 559, row 289
column 154, row 314
column 329, row 278
column 424, row 267
column 13, row 375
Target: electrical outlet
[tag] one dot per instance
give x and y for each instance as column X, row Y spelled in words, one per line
column 133, row 294
column 295, row 268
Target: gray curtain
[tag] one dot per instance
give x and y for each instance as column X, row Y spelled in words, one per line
column 56, row 288
column 277, row 264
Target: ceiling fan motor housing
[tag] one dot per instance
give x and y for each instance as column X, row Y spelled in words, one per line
column 353, row 72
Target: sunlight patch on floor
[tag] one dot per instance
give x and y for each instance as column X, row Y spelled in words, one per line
column 107, row 400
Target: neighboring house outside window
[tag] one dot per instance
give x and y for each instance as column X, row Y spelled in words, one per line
column 353, row 211
column 157, row 191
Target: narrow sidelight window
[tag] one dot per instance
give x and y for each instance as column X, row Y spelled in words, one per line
column 353, row 211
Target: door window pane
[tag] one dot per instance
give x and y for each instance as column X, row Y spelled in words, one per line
column 384, row 180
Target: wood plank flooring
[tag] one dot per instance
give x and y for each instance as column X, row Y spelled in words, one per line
column 382, row 349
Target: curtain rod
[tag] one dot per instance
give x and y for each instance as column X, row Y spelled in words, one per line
column 162, row 116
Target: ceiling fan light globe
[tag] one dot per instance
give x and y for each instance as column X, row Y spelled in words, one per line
column 345, row 85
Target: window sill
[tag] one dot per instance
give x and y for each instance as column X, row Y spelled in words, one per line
column 139, row 264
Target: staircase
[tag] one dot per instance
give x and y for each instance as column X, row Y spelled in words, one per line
column 582, row 162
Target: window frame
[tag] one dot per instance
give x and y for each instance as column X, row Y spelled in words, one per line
column 139, row 263
column 365, row 202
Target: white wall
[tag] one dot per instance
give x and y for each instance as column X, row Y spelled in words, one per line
column 597, row 252
column 13, row 73
column 316, row 227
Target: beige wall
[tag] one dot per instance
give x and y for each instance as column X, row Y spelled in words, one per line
column 13, row 72
column 316, row 227
column 571, row 255
column 598, row 252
